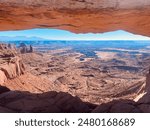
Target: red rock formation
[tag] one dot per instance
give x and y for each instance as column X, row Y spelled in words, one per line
column 76, row 15
column 23, row 48
column 11, row 65
column 148, row 83
column 145, row 97
column 47, row 102
column 142, row 103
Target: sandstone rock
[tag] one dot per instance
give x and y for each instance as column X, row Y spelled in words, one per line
column 3, row 77
column 30, row 49
column 145, row 99
column 7, row 51
column 119, row 106
column 73, row 15
column 5, row 110
column 77, row 16
column 103, row 108
column 25, row 49
column 145, row 108
column 58, row 102
column 11, row 96
column 11, row 65
column 147, row 87
column 12, row 70
column 122, row 108
column 31, row 83
column 3, row 89
column 46, row 102
column 28, row 105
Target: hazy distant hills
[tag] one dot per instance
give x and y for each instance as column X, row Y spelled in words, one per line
column 20, row 38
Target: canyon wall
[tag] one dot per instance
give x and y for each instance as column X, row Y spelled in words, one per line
column 11, row 70
column 79, row 16
column 11, row 65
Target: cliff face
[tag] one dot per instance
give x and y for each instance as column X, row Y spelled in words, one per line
column 11, row 65
column 78, row 16
column 145, row 96
column 11, row 70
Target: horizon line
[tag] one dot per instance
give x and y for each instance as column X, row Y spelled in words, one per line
column 80, row 40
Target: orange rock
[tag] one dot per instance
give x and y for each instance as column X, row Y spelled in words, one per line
column 77, row 16
column 11, row 65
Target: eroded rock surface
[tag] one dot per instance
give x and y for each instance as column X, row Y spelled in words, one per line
column 122, row 106
column 58, row 102
column 145, row 97
column 76, row 15
column 16, row 101
column 59, row 76
column 23, row 48
column 128, row 106
column 11, row 65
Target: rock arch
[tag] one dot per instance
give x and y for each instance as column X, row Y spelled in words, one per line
column 79, row 16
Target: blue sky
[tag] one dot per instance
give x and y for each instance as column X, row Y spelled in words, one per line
column 55, row 34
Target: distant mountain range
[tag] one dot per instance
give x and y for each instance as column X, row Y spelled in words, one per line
column 20, row 38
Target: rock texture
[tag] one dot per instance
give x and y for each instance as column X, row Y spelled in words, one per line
column 78, row 16
column 46, row 87
column 23, row 48
column 145, row 98
column 122, row 106
column 15, row 101
column 127, row 106
column 11, row 65
column 58, row 102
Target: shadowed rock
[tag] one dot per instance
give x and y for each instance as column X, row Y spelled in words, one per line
column 4, row 89
column 46, row 102
column 61, row 102
column 25, row 49
column 122, row 106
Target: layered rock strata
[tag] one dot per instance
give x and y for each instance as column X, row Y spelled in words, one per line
column 11, row 65
column 80, row 16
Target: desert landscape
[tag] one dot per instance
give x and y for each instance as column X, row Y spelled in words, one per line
column 72, row 78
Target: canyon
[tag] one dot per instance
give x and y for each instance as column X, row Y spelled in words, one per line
column 24, row 77
column 61, row 80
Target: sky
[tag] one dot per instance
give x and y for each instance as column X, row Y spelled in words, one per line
column 55, row 34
